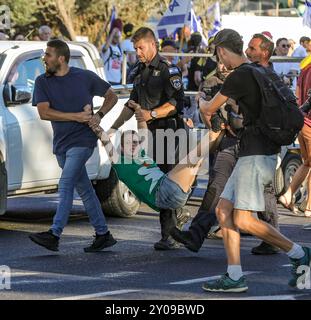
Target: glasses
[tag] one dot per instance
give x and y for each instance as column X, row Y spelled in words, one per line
column 285, row 45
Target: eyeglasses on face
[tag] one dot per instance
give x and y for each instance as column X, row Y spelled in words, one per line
column 285, row 45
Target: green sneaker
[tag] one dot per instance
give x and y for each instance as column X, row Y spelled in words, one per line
column 299, row 276
column 226, row 284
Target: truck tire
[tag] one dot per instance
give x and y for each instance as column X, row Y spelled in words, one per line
column 285, row 173
column 115, row 198
column 3, row 188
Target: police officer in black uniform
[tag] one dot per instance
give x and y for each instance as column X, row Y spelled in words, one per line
column 157, row 87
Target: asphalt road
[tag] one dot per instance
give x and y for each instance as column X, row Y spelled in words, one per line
column 131, row 269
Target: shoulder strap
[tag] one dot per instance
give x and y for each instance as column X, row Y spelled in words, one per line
column 110, row 55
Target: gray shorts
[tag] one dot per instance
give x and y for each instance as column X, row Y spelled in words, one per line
column 170, row 195
column 246, row 185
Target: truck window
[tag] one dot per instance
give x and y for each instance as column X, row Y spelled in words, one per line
column 24, row 73
column 77, row 62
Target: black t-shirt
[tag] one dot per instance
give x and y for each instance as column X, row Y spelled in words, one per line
column 242, row 87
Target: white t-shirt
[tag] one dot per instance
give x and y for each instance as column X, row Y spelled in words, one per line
column 300, row 52
column 113, row 64
column 127, row 45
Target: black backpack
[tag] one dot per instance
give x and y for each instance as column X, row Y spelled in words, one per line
column 280, row 119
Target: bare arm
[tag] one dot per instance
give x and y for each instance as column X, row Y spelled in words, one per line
column 207, row 108
column 166, row 110
column 110, row 101
column 104, row 138
column 48, row 113
column 125, row 115
column 141, row 123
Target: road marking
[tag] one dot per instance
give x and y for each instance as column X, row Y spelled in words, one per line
column 48, row 277
column 98, row 295
column 198, row 280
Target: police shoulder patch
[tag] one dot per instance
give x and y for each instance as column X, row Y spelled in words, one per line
column 176, row 82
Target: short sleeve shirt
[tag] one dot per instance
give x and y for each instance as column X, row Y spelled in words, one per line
column 242, row 87
column 70, row 93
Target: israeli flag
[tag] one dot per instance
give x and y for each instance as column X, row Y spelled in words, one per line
column 196, row 26
column 307, row 14
column 214, row 12
column 176, row 16
column 113, row 16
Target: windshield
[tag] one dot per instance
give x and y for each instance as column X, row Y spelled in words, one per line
column 2, row 58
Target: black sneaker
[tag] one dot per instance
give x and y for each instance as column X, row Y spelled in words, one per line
column 185, row 237
column 168, row 244
column 265, row 249
column 101, row 242
column 45, row 239
column 183, row 216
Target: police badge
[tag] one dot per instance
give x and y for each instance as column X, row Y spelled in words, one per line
column 176, row 82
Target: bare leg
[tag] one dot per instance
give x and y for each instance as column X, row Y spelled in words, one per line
column 262, row 230
column 230, row 233
column 185, row 172
column 298, row 179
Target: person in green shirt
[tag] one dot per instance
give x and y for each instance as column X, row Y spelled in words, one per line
column 143, row 176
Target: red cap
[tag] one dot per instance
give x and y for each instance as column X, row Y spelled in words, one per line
column 268, row 35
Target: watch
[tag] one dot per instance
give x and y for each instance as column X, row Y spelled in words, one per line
column 101, row 114
column 153, row 114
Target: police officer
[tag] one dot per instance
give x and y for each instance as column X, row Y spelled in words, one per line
column 157, row 87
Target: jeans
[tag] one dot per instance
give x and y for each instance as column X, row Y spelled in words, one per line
column 170, row 195
column 74, row 176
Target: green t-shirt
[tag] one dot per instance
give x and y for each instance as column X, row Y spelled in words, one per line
column 142, row 176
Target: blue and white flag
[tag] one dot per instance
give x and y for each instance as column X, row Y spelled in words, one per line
column 307, row 15
column 176, row 16
column 213, row 12
column 196, row 26
column 113, row 16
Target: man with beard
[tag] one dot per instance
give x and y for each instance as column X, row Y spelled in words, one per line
column 60, row 95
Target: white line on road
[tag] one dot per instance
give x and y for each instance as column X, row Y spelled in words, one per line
column 198, row 280
column 98, row 295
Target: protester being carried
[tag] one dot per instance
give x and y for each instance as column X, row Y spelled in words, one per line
column 143, row 176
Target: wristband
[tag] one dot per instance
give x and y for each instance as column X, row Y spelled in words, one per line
column 101, row 114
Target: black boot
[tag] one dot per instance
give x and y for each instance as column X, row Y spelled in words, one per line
column 186, row 238
column 265, row 249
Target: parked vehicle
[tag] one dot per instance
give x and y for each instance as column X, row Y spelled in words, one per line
column 27, row 164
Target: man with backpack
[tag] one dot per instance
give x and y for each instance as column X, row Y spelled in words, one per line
column 112, row 55
column 257, row 92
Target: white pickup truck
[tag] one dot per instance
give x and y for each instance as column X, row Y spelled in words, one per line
column 27, row 164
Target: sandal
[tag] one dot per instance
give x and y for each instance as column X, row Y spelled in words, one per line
column 289, row 206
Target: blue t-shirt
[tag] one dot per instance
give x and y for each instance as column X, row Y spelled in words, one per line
column 70, row 93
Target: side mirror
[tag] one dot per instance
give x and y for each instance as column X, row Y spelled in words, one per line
column 16, row 94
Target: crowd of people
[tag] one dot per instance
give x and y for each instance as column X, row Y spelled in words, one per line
column 230, row 103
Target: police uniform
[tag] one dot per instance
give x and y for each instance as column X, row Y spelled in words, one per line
column 154, row 85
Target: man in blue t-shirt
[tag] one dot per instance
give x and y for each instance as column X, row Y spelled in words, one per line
column 60, row 95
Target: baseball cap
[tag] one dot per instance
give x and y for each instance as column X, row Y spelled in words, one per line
column 226, row 36
column 229, row 39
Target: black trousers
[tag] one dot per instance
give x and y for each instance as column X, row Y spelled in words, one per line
column 168, row 218
column 206, row 217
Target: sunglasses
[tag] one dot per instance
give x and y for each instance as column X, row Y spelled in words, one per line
column 285, row 45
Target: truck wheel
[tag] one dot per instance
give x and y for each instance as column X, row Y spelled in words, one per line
column 283, row 177
column 116, row 199
column 3, row 188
